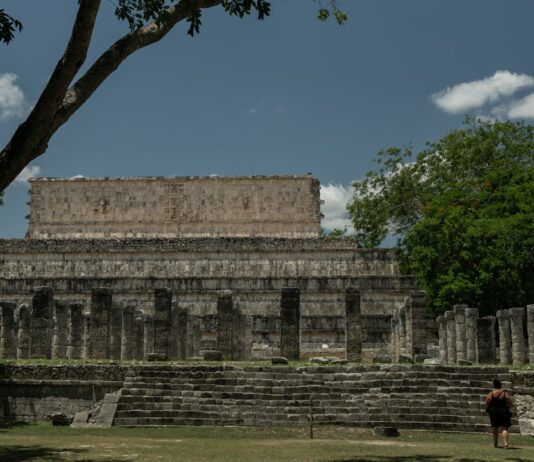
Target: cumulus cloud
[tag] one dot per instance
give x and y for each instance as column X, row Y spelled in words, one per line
column 12, row 100
column 475, row 94
column 28, row 172
column 335, row 199
column 522, row 109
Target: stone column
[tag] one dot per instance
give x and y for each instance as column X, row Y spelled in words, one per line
column 41, row 324
column 115, row 338
column 471, row 317
column 75, row 341
column 23, row 341
column 7, row 335
column 505, row 341
column 249, row 337
column 128, row 334
column 86, row 350
column 442, row 339
column 225, row 315
column 392, row 338
column 290, row 323
column 162, row 322
column 148, row 330
column 451, row 337
column 397, row 353
column 193, row 339
column 61, row 330
column 486, row 340
column 139, row 331
column 183, row 332
column 174, row 347
column 417, row 306
column 461, row 347
column 101, row 305
column 517, row 334
column 16, row 323
column 242, row 337
column 353, row 324
column 530, row 333
column 402, row 331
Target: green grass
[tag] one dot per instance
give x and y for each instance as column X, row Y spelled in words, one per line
column 42, row 442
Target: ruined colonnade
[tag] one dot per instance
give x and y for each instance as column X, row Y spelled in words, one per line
column 466, row 338
column 58, row 329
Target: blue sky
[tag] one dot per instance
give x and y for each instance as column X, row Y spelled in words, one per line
column 288, row 95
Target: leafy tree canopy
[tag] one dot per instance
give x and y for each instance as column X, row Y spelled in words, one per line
column 463, row 212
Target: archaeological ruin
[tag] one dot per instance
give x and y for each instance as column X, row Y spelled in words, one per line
column 232, row 269
column 192, row 256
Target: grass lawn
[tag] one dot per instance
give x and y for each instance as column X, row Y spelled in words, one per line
column 42, row 442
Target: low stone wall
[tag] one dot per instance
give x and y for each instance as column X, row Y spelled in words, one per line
column 448, row 397
column 29, row 393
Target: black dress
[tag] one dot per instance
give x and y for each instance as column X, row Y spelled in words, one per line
column 499, row 414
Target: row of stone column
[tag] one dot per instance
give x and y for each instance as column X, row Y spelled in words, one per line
column 409, row 328
column 466, row 338
column 57, row 329
column 109, row 330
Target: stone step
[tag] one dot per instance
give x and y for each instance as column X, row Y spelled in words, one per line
column 289, row 389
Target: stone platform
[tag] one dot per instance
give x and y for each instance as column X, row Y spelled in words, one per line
column 405, row 396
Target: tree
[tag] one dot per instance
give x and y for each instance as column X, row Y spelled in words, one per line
column 149, row 21
column 463, row 212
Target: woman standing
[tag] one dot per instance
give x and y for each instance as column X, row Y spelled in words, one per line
column 498, row 404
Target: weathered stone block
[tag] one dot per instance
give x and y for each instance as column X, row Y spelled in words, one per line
column 61, row 330
column 75, row 331
column 353, row 336
column 486, row 340
column 505, row 339
column 7, row 335
column 100, row 320
column 42, row 318
column 213, row 355
column 128, row 333
column 115, row 339
column 225, row 318
column 23, row 341
column 290, row 323
column 162, row 321
column 517, row 336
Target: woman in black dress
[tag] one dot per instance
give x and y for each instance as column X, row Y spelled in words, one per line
column 498, row 404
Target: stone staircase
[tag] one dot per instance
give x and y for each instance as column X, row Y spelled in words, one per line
column 418, row 397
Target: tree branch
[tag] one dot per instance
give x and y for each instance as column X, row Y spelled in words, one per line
column 111, row 59
column 27, row 142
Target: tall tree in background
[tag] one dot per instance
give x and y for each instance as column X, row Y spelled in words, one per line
column 149, row 21
column 463, row 212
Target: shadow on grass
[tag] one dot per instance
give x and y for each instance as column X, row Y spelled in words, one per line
column 29, row 453
column 420, row 458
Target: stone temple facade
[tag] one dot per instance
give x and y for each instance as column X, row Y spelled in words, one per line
column 199, row 252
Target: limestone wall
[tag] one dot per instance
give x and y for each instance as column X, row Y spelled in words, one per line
column 29, row 393
column 195, row 269
column 175, row 206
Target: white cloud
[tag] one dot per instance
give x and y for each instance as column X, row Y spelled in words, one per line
column 12, row 100
column 335, row 199
column 470, row 95
column 27, row 173
column 522, row 109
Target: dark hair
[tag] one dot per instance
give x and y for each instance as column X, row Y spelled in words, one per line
column 497, row 383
